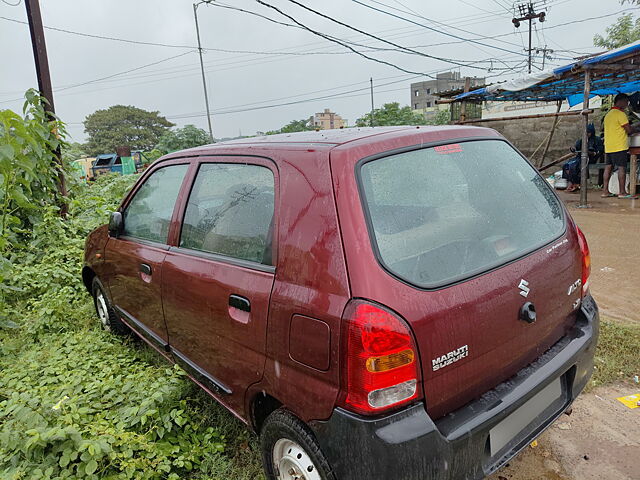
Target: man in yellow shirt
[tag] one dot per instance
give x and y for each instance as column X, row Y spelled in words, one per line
column 616, row 144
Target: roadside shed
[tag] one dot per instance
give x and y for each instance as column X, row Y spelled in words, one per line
column 616, row 71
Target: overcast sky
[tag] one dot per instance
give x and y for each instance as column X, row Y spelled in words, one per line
column 244, row 81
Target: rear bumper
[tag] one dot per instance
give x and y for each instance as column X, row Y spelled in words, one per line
column 409, row 445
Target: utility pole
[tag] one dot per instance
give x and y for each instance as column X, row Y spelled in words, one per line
column 528, row 12
column 44, row 83
column 546, row 53
column 204, row 79
column 371, row 81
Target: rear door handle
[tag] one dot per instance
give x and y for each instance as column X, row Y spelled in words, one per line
column 146, row 269
column 241, row 303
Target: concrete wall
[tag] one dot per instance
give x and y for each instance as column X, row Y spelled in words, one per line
column 528, row 134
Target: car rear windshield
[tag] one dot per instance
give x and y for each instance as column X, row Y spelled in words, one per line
column 445, row 213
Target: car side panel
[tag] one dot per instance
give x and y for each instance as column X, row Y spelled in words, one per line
column 311, row 281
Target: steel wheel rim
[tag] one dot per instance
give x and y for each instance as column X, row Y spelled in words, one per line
column 292, row 462
column 103, row 311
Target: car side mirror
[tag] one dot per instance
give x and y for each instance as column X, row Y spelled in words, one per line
column 115, row 224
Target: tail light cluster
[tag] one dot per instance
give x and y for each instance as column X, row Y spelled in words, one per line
column 379, row 361
column 586, row 261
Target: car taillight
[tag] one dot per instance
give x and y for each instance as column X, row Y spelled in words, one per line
column 586, row 261
column 379, row 363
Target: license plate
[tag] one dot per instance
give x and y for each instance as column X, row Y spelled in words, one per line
column 514, row 424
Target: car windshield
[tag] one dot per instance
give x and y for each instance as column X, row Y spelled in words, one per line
column 441, row 214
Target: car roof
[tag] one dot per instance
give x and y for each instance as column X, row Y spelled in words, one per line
column 327, row 139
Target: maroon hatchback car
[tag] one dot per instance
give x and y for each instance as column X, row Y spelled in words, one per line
column 406, row 302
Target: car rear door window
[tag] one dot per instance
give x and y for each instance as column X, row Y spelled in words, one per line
column 438, row 215
column 230, row 212
column 148, row 215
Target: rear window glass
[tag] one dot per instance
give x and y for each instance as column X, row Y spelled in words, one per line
column 442, row 214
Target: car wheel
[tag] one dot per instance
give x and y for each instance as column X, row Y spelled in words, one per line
column 108, row 318
column 290, row 451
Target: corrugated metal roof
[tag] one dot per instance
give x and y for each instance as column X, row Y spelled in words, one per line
column 567, row 82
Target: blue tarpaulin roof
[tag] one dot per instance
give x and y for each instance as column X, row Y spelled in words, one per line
column 567, row 82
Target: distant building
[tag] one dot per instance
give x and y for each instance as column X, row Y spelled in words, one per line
column 327, row 120
column 425, row 94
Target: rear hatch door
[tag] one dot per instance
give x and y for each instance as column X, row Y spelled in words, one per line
column 468, row 238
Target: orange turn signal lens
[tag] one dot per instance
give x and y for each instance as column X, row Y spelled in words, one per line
column 389, row 362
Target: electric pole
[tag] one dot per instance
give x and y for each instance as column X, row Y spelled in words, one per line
column 204, row 79
column 44, row 84
column 546, row 53
column 371, row 81
column 527, row 11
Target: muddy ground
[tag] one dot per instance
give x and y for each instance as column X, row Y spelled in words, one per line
column 601, row 438
column 612, row 228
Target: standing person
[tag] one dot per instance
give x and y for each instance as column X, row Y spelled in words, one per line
column 616, row 144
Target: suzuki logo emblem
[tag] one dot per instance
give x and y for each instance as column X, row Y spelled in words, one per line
column 524, row 288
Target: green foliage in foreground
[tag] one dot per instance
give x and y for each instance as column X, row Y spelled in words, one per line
column 81, row 405
column 77, row 402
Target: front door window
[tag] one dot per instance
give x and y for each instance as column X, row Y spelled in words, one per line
column 149, row 212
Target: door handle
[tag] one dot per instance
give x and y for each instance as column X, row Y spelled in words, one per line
column 241, row 303
column 146, row 269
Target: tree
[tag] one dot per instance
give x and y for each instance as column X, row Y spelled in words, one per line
column 391, row 114
column 303, row 125
column 73, row 151
column 621, row 33
column 442, row 117
column 188, row 136
column 122, row 125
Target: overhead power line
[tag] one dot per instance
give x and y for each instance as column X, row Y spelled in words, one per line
column 416, row 52
column 315, row 32
column 437, row 22
column 434, row 29
column 113, row 75
column 222, row 50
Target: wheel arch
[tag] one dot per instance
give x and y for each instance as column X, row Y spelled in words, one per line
column 87, row 278
column 262, row 405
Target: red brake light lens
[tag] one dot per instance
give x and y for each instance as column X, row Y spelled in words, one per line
column 380, row 369
column 586, row 261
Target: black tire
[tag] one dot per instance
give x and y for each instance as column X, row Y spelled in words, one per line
column 107, row 316
column 283, row 429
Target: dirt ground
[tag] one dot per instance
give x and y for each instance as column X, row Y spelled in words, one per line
column 601, row 438
column 612, row 228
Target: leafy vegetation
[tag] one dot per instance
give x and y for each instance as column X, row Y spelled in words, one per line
column 122, row 125
column 28, row 175
column 617, row 357
column 626, row 30
column 391, row 114
column 75, row 401
column 188, row 136
column 303, row 125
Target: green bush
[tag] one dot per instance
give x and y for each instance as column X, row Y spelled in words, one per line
column 82, row 406
column 75, row 401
